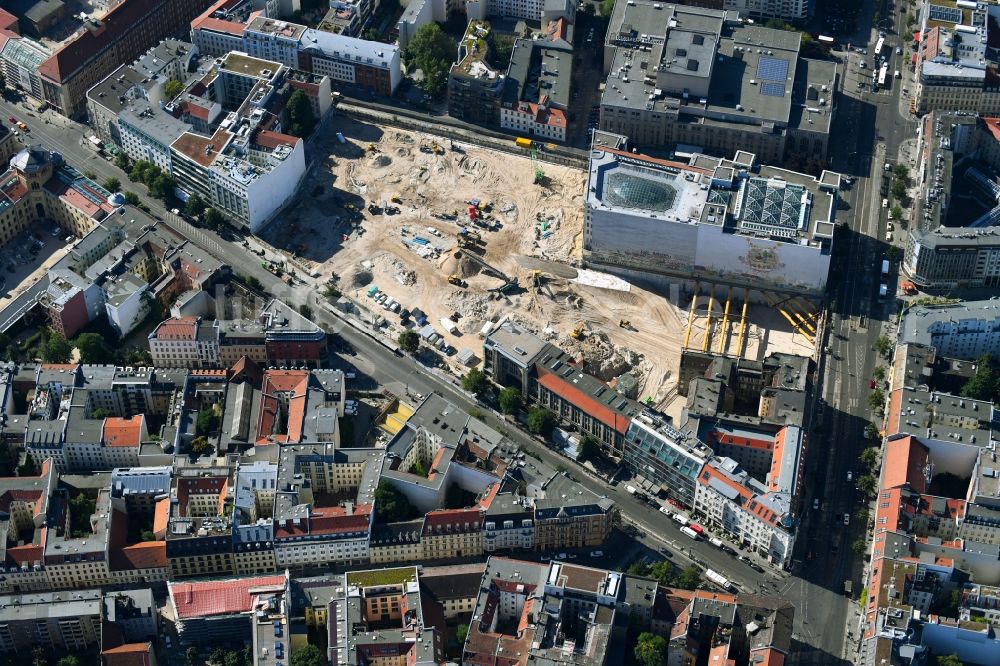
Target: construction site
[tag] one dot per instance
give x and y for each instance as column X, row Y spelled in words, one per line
column 419, row 231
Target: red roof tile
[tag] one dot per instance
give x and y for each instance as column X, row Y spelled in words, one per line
column 129, row 654
column 123, row 432
column 138, row 556
column 589, row 405
column 293, row 383
column 448, row 521
column 220, row 597
column 272, row 140
column 8, row 21
column 218, row 25
column 905, row 460
column 177, row 328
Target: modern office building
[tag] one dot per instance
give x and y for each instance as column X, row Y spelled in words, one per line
column 730, row 221
column 664, row 460
column 703, row 78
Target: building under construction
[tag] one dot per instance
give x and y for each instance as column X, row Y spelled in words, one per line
column 710, row 220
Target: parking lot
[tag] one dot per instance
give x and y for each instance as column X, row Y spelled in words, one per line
column 27, row 256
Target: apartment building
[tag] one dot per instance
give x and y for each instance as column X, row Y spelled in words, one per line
column 963, row 331
column 353, row 62
column 452, row 534
column 63, row 620
column 744, row 509
column 390, row 617
column 219, row 29
column 701, row 77
column 762, row 10
column 221, row 610
column 570, row 516
column 126, row 109
column 278, row 336
column 121, row 35
column 21, row 57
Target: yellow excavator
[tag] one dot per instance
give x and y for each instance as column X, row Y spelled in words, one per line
column 577, row 333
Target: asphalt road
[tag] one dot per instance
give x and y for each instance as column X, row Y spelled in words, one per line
column 858, row 318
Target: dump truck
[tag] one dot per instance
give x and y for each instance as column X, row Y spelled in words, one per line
column 456, row 280
column 448, row 325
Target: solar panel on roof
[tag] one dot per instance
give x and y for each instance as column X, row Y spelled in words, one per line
column 772, row 89
column 772, row 69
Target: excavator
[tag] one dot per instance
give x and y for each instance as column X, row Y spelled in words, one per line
column 577, row 333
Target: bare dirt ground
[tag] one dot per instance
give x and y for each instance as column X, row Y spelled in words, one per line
column 409, row 255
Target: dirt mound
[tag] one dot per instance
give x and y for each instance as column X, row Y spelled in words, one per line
column 465, row 267
column 362, row 278
column 604, row 359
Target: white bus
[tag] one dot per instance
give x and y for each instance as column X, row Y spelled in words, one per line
column 882, row 73
column 878, row 46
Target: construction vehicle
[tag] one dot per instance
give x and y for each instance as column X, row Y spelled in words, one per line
column 625, row 323
column 372, row 148
column 395, row 199
column 374, row 209
column 457, row 281
column 436, row 149
column 577, row 333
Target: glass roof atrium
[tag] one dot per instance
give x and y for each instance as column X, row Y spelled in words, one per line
column 630, row 188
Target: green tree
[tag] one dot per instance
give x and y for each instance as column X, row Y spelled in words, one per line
column 195, row 205
column 81, row 508
column 57, row 349
column 217, row 656
column 879, row 372
column 214, row 219
column 162, row 186
column 208, row 421
column 69, row 660
column 689, row 578
column 122, row 162
column 541, row 421
column 896, row 213
column 651, row 650
column 898, row 190
column 982, row 385
column 112, row 184
column 868, row 485
column 948, row 660
column 902, row 172
column 876, row 400
column 859, row 547
column 173, row 88
column 638, row 568
column 138, row 172
column 588, row 9
column 372, row 35
column 306, row 311
column 871, row 431
column 300, row 113
column 476, row 382
column 510, row 397
column 132, row 199
column 607, row 6
column 883, row 345
column 869, row 457
column 461, row 632
column 39, row 656
column 862, row 515
column 93, row 349
column 151, row 173
column 192, row 656
column 409, row 341
column 28, row 467
column 307, row 655
column 148, row 535
column 432, row 52
column 200, row 445
column 100, row 413
column 590, row 449
column 390, row 504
